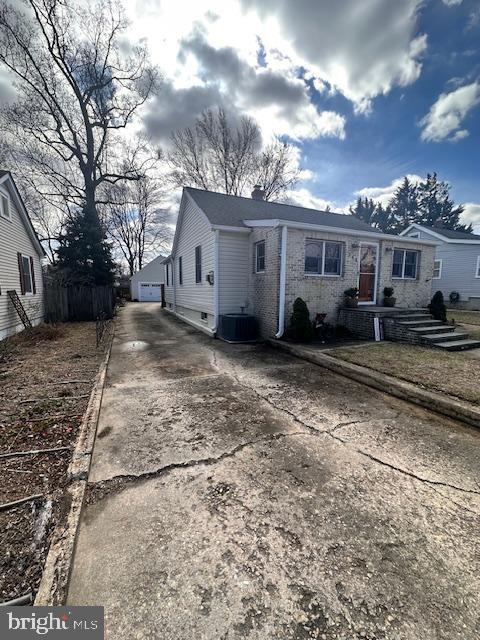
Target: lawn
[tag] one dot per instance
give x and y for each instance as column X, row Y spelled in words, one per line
column 455, row 374
column 467, row 317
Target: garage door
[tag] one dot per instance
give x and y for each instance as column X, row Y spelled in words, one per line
column 150, row 292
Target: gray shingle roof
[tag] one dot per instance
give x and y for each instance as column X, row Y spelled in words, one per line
column 227, row 210
column 454, row 235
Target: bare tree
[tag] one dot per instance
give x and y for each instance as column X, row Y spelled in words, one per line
column 136, row 221
column 77, row 90
column 219, row 154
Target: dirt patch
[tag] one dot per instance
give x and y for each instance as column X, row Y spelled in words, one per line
column 455, row 374
column 46, row 374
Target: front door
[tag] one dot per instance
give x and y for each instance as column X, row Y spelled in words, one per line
column 367, row 273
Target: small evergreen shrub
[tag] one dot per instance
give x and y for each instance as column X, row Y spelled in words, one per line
column 388, row 292
column 300, row 328
column 437, row 307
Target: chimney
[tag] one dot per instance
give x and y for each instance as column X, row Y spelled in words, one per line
column 258, row 193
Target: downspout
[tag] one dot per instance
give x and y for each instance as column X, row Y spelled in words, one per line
column 283, row 281
column 216, row 273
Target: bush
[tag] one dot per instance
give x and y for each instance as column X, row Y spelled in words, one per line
column 388, row 292
column 351, row 293
column 437, row 307
column 301, row 328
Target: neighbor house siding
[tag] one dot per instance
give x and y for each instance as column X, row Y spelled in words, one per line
column 459, row 263
column 234, row 263
column 14, row 239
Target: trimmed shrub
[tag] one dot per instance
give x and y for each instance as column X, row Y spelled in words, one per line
column 300, row 328
column 437, row 307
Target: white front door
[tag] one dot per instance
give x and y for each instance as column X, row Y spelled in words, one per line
column 150, row 292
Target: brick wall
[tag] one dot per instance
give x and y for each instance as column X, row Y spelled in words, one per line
column 264, row 287
column 360, row 323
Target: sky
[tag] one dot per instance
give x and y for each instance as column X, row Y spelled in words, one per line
column 368, row 91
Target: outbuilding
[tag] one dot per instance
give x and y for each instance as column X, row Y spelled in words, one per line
column 147, row 284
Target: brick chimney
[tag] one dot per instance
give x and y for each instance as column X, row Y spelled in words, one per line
column 258, row 193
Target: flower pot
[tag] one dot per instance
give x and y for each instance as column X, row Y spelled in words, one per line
column 351, row 303
column 389, row 302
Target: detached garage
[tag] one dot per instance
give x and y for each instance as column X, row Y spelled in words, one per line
column 147, row 284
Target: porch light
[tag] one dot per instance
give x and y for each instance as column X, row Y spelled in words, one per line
column 355, row 245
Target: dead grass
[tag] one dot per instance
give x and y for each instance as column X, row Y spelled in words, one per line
column 455, row 374
column 467, row 317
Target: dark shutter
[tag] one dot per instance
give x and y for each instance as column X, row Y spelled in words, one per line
column 32, row 272
column 20, row 273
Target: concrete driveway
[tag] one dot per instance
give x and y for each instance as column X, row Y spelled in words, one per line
column 237, row 492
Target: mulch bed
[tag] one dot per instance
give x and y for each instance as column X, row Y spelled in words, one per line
column 46, row 376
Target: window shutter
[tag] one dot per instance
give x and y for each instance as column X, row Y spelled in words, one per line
column 32, row 273
column 20, row 273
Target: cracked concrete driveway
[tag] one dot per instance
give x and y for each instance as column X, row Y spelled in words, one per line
column 237, row 492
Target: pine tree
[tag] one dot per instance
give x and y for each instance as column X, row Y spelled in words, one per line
column 373, row 214
column 84, row 256
column 404, row 206
column 435, row 207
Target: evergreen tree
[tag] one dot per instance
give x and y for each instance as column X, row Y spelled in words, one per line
column 436, row 208
column 373, row 214
column 404, row 206
column 301, row 328
column 83, row 255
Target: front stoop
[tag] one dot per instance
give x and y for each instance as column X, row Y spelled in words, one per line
column 433, row 333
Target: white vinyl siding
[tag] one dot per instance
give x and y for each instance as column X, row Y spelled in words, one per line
column 14, row 239
column 194, row 231
column 235, row 261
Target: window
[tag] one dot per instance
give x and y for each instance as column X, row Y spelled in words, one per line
column 477, row 272
column 437, row 269
column 180, row 271
column 26, row 274
column 167, row 273
column 5, row 206
column 260, row 256
column 323, row 258
column 405, row 264
column 414, row 235
column 198, row 264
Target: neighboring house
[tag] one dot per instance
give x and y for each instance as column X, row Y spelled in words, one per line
column 457, row 263
column 146, row 284
column 231, row 254
column 20, row 260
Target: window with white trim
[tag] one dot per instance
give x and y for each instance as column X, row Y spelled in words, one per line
column 405, row 264
column 323, row 258
column 5, row 206
column 260, row 256
column 167, row 274
column 477, row 272
column 198, row 264
column 437, row 269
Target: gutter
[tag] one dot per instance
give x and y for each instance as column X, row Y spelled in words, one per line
column 216, row 274
column 283, row 281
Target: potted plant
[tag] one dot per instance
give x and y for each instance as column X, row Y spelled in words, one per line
column 388, row 299
column 351, row 297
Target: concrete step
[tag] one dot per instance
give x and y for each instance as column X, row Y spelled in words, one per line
column 436, row 328
column 446, row 337
column 414, row 316
column 410, row 324
column 458, row 345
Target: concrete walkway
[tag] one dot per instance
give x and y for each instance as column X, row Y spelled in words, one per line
column 238, row 492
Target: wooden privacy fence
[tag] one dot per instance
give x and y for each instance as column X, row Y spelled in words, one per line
column 71, row 303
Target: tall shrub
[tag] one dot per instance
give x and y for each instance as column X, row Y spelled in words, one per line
column 300, row 326
column 437, row 307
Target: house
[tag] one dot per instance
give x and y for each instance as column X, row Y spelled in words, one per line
column 20, row 260
column 232, row 254
column 457, row 263
column 146, row 285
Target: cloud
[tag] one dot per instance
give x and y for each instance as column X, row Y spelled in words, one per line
column 280, row 102
column 472, row 215
column 303, row 197
column 452, row 3
column 362, row 49
column 383, row 195
column 446, row 115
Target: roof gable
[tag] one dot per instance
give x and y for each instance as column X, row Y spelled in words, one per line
column 7, row 180
column 447, row 235
column 232, row 211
